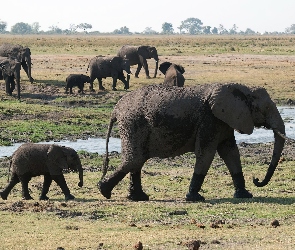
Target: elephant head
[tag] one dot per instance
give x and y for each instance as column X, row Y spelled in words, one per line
column 149, row 52
column 11, row 70
column 173, row 74
column 64, row 158
column 119, row 64
column 244, row 108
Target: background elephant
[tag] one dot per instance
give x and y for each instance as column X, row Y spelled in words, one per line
column 50, row 160
column 76, row 80
column 10, row 71
column 138, row 55
column 161, row 121
column 23, row 54
column 173, row 74
column 102, row 67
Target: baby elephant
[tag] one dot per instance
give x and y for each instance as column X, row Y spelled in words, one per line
column 76, row 80
column 50, row 160
column 173, row 74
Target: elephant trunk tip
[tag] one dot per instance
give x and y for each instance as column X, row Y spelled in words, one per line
column 260, row 184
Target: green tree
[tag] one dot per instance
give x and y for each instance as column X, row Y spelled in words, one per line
column 149, row 31
column 291, row 29
column 192, row 26
column 167, row 28
column 207, row 30
column 122, row 30
column 55, row 30
column 222, row 30
column 233, row 30
column 214, row 31
column 3, row 26
column 21, row 28
column 249, row 31
column 84, row 26
column 35, row 27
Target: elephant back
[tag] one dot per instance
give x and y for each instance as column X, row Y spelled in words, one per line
column 31, row 158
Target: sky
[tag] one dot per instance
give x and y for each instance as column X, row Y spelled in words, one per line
column 137, row 15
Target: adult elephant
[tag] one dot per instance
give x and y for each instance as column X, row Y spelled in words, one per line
column 137, row 55
column 10, row 71
column 160, row 121
column 102, row 67
column 50, row 160
column 23, row 54
column 173, row 74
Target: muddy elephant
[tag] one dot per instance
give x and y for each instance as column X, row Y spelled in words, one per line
column 23, row 54
column 161, row 121
column 173, row 74
column 31, row 160
column 137, row 55
column 102, row 67
column 10, row 72
column 76, row 80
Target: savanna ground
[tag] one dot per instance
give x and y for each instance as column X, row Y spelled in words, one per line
column 46, row 113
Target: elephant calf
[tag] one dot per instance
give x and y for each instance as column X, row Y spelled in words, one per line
column 173, row 74
column 31, row 160
column 76, row 80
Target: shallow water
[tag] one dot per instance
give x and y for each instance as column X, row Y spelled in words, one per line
column 97, row 145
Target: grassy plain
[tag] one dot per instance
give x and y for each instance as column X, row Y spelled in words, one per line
column 45, row 112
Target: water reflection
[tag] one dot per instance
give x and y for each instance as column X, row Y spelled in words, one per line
column 97, row 145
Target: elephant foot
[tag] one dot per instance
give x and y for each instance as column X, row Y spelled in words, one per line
column 101, row 88
column 31, row 80
column 242, row 193
column 3, row 196
column 194, row 197
column 148, row 77
column 114, row 89
column 43, row 198
column 69, row 197
column 138, row 196
column 104, row 190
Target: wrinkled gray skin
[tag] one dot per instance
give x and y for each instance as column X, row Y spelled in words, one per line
column 76, row 80
column 102, row 67
column 161, row 121
column 23, row 54
column 137, row 55
column 9, row 72
column 173, row 74
column 31, row 160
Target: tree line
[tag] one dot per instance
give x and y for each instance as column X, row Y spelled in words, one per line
column 192, row 26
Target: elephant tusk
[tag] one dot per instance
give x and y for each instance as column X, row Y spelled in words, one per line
column 284, row 136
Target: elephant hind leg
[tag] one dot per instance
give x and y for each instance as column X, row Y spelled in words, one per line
column 13, row 181
column 139, row 66
column 61, row 182
column 24, row 179
column 46, row 184
column 135, row 189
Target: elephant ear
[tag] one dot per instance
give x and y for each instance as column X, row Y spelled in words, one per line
column 180, row 68
column 116, row 62
column 57, row 159
column 164, row 67
column 229, row 104
column 143, row 51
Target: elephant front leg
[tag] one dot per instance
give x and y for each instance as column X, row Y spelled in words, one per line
column 229, row 152
column 122, row 78
column 100, row 84
column 139, row 66
column 61, row 182
column 106, row 186
column 135, row 189
column 46, row 184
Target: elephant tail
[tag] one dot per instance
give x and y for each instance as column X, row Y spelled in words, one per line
column 106, row 161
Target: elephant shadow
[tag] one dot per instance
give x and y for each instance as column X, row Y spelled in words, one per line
column 265, row 200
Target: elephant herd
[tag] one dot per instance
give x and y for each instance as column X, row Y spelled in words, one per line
column 15, row 57
column 164, row 120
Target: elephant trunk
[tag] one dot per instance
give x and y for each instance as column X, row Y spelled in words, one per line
column 29, row 63
column 278, row 148
column 80, row 170
column 156, row 69
column 17, row 78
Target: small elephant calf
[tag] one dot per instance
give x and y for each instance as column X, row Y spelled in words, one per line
column 76, row 80
column 173, row 74
column 31, row 160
